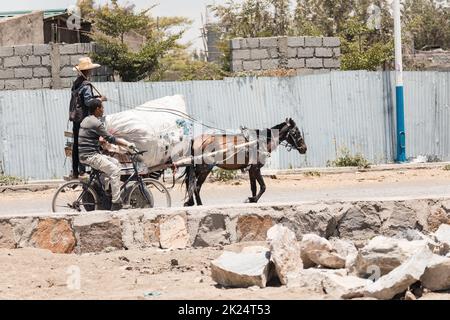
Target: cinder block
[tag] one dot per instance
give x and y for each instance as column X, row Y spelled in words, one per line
column 252, row 65
column 305, row 52
column 42, row 49
column 258, row 54
column 237, row 66
column 271, row 42
column 269, row 64
column 313, row 41
column 6, row 51
column 331, row 42
column 2, row 84
column 74, row 60
column 31, row 61
column 296, row 63
column 14, row 84
column 46, row 82
column 324, row 52
column 68, row 49
column 64, row 61
column 292, row 52
column 23, row 73
column 32, row 84
column 337, row 52
column 41, row 72
column 296, row 42
column 241, row 54
column 11, row 62
column 283, row 45
column 68, row 72
column 24, row 50
column 84, row 48
column 332, row 63
column 6, row 73
column 252, row 43
column 314, row 63
column 46, row 61
column 273, row 53
column 236, row 43
column 67, row 82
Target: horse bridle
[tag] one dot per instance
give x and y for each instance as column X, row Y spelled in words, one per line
column 289, row 146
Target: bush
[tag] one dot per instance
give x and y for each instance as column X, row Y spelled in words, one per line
column 312, row 174
column 10, row 181
column 224, row 175
column 348, row 160
column 446, row 167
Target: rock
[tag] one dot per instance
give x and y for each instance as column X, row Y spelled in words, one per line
column 7, row 236
column 410, row 296
column 385, row 254
column 253, row 227
column 212, row 232
column 442, row 235
column 312, row 279
column 362, row 221
column 174, row 262
column 241, row 270
column 327, row 259
column 399, row 279
column 284, row 251
column 311, row 242
column 99, row 235
column 346, row 250
column 437, row 274
column 173, row 233
column 345, row 287
column 255, row 249
column 55, row 235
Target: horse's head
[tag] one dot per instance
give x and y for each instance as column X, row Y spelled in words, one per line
column 294, row 137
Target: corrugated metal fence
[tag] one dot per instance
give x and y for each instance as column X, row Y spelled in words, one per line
column 338, row 109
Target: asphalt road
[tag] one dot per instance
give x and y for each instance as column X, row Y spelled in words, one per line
column 408, row 184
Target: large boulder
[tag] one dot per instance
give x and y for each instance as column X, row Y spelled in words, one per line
column 312, row 278
column 346, row 250
column 284, row 251
column 437, row 274
column 312, row 242
column 327, row 259
column 385, row 254
column 442, row 235
column 241, row 270
column 399, row 279
column 344, row 287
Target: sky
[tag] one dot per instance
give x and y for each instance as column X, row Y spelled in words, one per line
column 188, row 8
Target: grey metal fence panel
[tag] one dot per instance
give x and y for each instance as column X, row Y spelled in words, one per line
column 355, row 110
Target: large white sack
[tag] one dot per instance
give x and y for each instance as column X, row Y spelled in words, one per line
column 156, row 126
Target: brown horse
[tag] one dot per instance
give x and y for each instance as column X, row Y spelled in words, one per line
column 239, row 152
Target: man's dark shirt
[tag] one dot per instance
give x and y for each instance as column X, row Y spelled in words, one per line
column 86, row 93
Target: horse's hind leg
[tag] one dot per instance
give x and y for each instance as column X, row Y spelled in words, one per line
column 262, row 185
column 202, row 174
column 252, row 175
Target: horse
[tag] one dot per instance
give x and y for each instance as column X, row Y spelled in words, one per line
column 248, row 152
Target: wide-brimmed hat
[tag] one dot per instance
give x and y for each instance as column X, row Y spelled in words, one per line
column 85, row 63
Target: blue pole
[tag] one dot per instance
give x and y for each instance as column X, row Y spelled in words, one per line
column 401, row 137
column 399, row 99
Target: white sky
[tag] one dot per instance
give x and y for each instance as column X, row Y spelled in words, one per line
column 188, row 8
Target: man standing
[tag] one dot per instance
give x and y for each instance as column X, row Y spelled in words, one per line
column 82, row 98
column 91, row 130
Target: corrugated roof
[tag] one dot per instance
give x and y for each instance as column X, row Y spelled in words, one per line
column 47, row 13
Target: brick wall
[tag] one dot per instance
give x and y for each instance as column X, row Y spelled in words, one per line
column 43, row 66
column 255, row 54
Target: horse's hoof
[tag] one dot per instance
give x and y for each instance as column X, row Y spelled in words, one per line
column 250, row 200
column 187, row 204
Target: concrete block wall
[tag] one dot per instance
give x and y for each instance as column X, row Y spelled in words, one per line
column 43, row 66
column 257, row 54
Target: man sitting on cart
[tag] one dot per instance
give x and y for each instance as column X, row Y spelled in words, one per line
column 90, row 151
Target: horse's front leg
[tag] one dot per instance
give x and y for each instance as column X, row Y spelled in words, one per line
column 262, row 185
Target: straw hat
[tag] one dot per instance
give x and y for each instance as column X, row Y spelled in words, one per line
column 86, row 64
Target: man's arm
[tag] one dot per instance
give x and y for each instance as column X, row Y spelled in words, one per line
column 88, row 96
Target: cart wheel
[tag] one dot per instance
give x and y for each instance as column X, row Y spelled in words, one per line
column 161, row 195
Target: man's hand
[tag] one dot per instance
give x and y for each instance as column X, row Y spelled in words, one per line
column 132, row 147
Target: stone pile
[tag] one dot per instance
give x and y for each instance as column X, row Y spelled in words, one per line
column 385, row 268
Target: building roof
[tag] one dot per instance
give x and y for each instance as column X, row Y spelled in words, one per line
column 47, row 13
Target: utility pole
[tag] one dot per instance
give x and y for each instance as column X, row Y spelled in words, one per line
column 399, row 99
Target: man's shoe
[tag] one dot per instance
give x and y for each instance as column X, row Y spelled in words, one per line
column 116, row 207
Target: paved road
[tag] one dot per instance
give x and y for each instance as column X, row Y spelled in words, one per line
column 364, row 186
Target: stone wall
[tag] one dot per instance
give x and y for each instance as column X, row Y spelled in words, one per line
column 41, row 66
column 358, row 221
column 256, row 54
column 23, row 29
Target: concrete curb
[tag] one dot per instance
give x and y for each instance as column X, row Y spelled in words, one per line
column 358, row 221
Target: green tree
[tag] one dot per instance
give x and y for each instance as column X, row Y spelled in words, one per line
column 113, row 22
